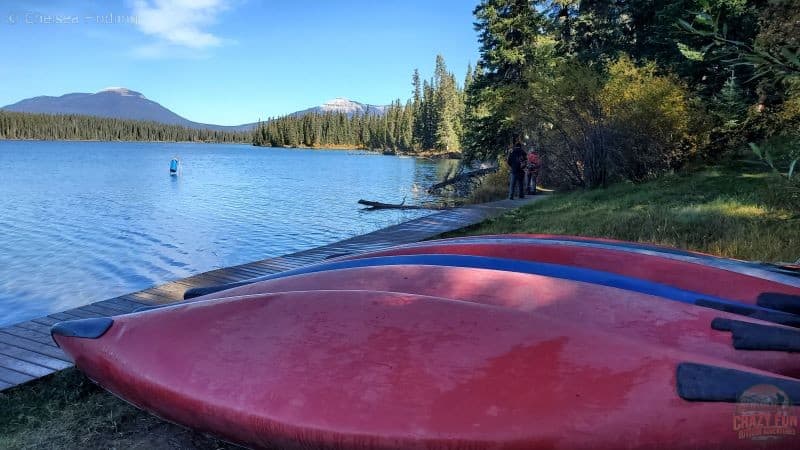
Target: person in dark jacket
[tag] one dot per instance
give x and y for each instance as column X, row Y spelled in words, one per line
column 516, row 162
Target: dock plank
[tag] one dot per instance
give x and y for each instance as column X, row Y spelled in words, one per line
column 33, row 357
column 149, row 298
column 82, row 313
column 38, row 347
column 29, row 334
column 266, row 268
column 128, row 298
column 14, row 377
column 119, row 305
column 36, row 326
column 64, row 316
column 220, row 274
column 33, row 370
column 203, row 279
column 49, row 321
column 99, row 309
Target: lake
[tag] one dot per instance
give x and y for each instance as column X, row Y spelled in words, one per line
column 86, row 221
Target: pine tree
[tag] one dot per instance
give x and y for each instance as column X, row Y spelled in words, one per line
column 419, row 125
column 468, row 77
column 507, row 32
column 730, row 105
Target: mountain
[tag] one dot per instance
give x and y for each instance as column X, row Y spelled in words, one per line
column 123, row 103
column 116, row 102
column 343, row 105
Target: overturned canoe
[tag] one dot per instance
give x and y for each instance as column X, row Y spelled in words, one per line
column 699, row 276
column 635, row 315
column 596, row 277
column 377, row 370
column 691, row 271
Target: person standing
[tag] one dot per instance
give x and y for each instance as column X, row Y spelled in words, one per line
column 516, row 163
column 532, row 171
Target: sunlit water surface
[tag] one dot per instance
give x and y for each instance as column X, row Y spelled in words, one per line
column 86, row 221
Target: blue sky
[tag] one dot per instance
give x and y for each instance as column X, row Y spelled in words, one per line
column 231, row 61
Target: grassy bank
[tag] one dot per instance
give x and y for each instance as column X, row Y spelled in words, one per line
column 740, row 212
column 67, row 411
column 735, row 211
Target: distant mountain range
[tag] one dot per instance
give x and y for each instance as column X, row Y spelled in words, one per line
column 343, row 105
column 123, row 103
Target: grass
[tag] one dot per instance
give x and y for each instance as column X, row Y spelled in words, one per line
column 734, row 211
column 738, row 212
column 66, row 410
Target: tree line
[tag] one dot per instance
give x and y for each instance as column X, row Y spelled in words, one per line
column 614, row 89
column 432, row 119
column 15, row 125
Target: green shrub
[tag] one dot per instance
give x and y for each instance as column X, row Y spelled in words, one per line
column 595, row 128
column 649, row 117
column 492, row 187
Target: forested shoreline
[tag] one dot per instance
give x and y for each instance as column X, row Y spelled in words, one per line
column 431, row 120
column 25, row 126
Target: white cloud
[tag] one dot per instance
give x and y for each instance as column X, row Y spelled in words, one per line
column 181, row 23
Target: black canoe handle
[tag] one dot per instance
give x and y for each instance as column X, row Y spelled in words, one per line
column 756, row 336
column 779, row 317
column 704, row 383
column 781, row 302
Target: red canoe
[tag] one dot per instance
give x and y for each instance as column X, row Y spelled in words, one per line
column 637, row 316
column 374, row 370
column 705, row 275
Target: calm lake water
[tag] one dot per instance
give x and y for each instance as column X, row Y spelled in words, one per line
column 86, row 221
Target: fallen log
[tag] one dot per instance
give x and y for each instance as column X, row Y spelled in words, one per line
column 380, row 205
column 465, row 176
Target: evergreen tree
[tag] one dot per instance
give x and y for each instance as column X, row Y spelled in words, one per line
column 507, row 31
column 419, row 126
column 730, row 104
column 447, row 117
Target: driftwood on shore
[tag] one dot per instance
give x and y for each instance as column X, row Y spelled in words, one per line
column 380, row 205
column 462, row 177
column 459, row 180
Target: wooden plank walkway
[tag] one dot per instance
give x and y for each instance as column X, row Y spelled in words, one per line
column 27, row 352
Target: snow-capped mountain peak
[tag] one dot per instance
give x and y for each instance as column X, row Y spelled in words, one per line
column 343, row 105
column 125, row 92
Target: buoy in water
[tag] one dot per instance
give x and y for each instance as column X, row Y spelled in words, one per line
column 173, row 167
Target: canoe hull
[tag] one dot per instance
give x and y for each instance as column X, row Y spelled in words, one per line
column 372, row 370
column 631, row 314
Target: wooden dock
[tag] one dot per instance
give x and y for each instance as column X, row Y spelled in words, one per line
column 27, row 352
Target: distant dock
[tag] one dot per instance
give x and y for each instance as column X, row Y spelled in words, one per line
column 27, row 352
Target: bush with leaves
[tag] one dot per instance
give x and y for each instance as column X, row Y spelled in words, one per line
column 649, row 115
column 594, row 128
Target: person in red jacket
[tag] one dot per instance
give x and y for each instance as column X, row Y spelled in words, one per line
column 532, row 166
